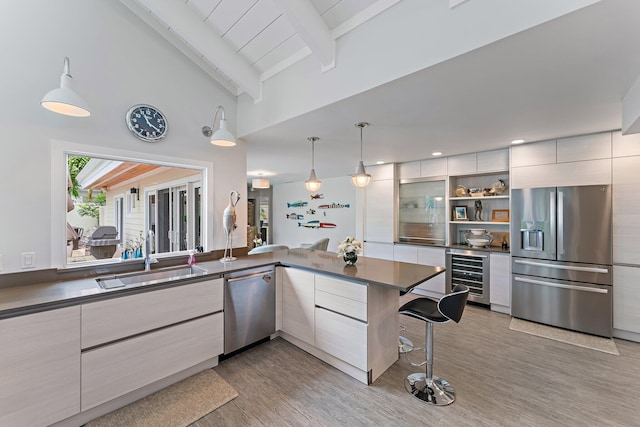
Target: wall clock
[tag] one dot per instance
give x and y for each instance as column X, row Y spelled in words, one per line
column 146, row 122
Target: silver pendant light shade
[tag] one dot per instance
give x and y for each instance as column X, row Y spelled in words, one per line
column 313, row 183
column 64, row 100
column 361, row 178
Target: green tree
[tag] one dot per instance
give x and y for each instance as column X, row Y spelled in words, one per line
column 92, row 207
column 76, row 163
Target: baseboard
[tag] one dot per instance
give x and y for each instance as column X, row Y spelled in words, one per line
column 626, row 335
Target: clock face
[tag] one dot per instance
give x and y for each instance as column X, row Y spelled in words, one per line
column 146, row 122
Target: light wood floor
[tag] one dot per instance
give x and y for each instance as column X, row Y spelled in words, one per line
column 502, row 378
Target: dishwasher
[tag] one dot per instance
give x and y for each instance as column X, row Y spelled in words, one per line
column 249, row 307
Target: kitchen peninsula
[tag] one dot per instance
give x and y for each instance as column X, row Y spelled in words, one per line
column 344, row 315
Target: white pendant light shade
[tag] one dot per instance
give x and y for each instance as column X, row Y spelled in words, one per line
column 260, row 183
column 64, row 100
column 313, row 183
column 221, row 137
column 361, row 178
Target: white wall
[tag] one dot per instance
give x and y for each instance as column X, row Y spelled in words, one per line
column 335, row 190
column 116, row 62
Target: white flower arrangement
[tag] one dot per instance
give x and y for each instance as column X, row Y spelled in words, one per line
column 350, row 244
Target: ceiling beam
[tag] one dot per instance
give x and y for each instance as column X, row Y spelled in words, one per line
column 310, row 26
column 631, row 110
column 190, row 27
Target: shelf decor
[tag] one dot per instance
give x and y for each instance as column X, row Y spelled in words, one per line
column 460, row 213
column 500, row 215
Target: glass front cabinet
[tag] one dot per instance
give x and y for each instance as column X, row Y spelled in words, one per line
column 422, row 211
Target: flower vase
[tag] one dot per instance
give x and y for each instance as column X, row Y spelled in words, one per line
column 350, row 258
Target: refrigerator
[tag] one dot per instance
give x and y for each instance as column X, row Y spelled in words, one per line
column 561, row 249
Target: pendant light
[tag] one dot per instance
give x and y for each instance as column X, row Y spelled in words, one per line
column 64, row 100
column 222, row 137
column 313, row 184
column 260, row 182
column 361, row 178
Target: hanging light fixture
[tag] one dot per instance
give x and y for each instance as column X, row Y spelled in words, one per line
column 222, row 137
column 313, row 184
column 260, row 182
column 64, row 100
column 361, row 178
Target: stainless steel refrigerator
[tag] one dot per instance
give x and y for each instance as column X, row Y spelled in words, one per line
column 561, row 251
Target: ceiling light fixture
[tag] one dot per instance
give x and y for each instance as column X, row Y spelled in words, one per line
column 380, row 162
column 313, row 183
column 361, row 178
column 260, row 182
column 222, row 137
column 64, row 100
column 517, row 141
column 437, row 153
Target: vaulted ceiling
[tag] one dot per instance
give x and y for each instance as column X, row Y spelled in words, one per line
column 561, row 77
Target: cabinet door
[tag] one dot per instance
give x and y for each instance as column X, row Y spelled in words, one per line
column 626, row 298
column 626, row 210
column 493, row 161
column 539, row 153
column 585, row 147
column 378, row 250
column 298, row 301
column 499, row 280
column 119, row 368
column 409, row 170
column 379, row 213
column 462, row 165
column 433, row 167
column 105, row 321
column 627, row 145
column 40, row 367
column 342, row 337
column 405, row 253
column 435, row 257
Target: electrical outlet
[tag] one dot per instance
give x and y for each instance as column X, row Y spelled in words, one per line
column 28, row 260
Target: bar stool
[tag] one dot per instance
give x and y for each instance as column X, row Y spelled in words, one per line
column 426, row 386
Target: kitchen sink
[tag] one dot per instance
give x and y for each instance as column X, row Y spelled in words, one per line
column 149, row 277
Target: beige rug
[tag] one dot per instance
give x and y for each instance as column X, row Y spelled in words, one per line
column 175, row 406
column 606, row 345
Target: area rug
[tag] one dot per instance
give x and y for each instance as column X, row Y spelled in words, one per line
column 605, row 345
column 175, row 406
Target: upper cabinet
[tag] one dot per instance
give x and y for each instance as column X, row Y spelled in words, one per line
column 487, row 161
column 585, row 147
column 625, row 145
column 423, row 168
column 539, row 153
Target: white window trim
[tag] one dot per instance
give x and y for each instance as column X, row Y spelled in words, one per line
column 60, row 150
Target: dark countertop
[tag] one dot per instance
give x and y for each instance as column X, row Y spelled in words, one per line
column 24, row 299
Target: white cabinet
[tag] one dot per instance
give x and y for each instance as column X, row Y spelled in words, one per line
column 435, row 257
column 298, row 301
column 40, row 365
column 464, row 164
column 500, row 282
column 379, row 211
column 539, row 153
column 116, row 318
column 378, row 250
column 626, row 298
column 409, row 170
column 584, row 147
column 113, row 370
column 626, row 145
column 483, row 162
column 342, row 337
column 341, row 296
column 626, row 210
column 405, row 253
column 433, row 167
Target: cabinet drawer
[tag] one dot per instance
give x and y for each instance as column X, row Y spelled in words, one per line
column 342, row 305
column 106, row 321
column 122, row 367
column 342, row 337
column 343, row 288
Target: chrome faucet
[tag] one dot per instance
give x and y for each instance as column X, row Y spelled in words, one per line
column 148, row 244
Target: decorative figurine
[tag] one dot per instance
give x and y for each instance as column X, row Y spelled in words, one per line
column 229, row 224
column 478, row 207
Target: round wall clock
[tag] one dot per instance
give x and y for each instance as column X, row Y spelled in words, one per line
column 146, row 122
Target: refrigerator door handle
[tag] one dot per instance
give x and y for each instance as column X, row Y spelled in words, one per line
column 560, row 229
column 562, row 267
column 559, row 285
column 552, row 222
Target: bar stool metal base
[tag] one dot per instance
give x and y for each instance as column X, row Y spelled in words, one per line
column 439, row 392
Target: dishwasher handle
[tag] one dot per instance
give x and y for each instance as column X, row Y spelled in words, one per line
column 266, row 276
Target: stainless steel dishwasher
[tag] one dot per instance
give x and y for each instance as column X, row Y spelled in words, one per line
column 249, row 307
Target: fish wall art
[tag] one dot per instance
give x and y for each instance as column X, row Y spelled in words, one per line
column 298, row 204
column 334, row 206
column 295, row 216
column 317, row 196
column 317, row 224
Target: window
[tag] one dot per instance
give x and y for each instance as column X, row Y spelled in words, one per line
column 168, row 199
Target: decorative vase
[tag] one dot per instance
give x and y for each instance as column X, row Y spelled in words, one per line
column 350, row 258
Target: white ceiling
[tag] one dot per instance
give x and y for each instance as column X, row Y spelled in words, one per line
column 564, row 77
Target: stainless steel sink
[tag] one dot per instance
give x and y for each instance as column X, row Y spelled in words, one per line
column 149, row 277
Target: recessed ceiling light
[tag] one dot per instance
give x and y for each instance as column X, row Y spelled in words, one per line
column 517, row 141
column 437, row 153
column 380, row 162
